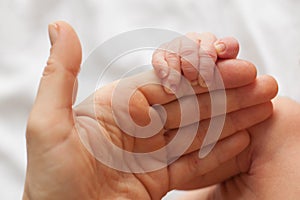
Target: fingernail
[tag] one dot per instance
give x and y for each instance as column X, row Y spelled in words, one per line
column 220, row 47
column 162, row 73
column 202, row 82
column 53, row 32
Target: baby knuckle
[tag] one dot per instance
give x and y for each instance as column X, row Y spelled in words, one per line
column 157, row 63
column 188, row 50
column 172, row 56
column 187, row 68
column 209, row 53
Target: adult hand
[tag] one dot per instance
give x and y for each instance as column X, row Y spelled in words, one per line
column 62, row 161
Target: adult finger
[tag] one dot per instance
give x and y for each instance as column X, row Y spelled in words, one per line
column 53, row 105
column 234, row 122
column 234, row 166
column 189, row 166
column 262, row 90
column 58, row 80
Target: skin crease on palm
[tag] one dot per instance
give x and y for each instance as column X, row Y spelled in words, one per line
column 270, row 165
column 59, row 165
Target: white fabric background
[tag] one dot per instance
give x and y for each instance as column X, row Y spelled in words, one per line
column 268, row 31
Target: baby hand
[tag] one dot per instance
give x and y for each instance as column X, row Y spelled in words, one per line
column 193, row 55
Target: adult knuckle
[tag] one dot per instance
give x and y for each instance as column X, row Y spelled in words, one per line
column 35, row 125
column 193, row 163
column 49, row 69
column 40, row 124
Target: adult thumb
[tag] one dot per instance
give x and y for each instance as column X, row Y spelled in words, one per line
column 51, row 117
column 58, row 82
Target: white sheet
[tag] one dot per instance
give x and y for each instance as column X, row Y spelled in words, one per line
column 268, row 32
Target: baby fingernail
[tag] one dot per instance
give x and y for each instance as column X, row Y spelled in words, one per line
column 220, row 47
